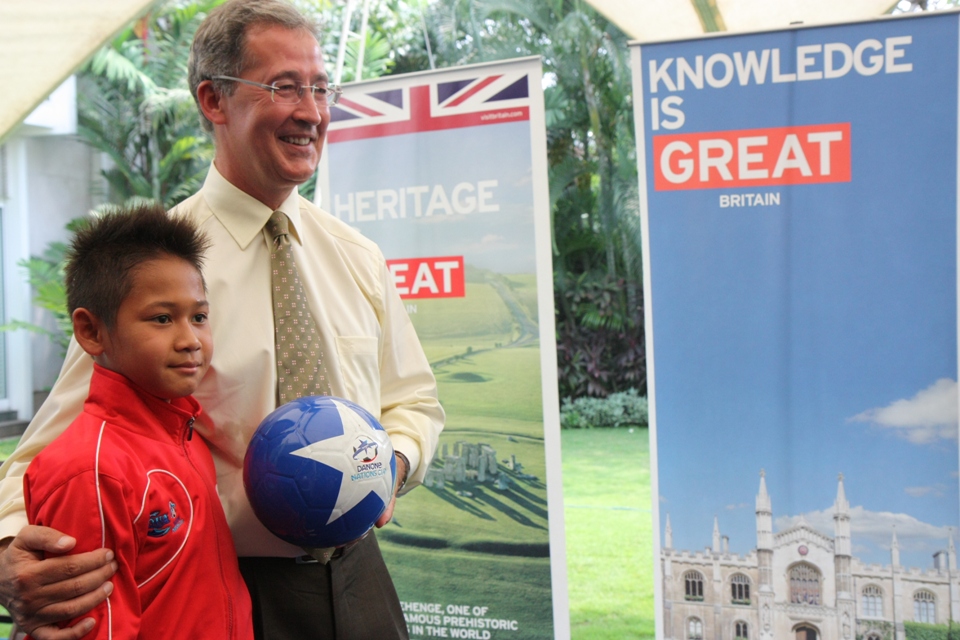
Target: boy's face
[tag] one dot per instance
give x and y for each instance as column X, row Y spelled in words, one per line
column 161, row 339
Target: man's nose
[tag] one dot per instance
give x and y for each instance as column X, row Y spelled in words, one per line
column 310, row 108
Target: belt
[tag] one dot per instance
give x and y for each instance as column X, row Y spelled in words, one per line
column 308, row 559
column 328, row 554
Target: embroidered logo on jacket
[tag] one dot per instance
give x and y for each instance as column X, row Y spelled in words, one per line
column 163, row 523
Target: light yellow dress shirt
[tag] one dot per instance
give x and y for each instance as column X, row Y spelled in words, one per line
column 371, row 350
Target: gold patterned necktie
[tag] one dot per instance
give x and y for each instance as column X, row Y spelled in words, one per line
column 300, row 367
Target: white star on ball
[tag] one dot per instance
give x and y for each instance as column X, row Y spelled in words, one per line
column 322, row 451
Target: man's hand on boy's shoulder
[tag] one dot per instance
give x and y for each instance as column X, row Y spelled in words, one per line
column 41, row 592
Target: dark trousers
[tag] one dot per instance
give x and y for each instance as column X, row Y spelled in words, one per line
column 351, row 598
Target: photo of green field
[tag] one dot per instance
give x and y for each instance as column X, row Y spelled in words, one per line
column 476, row 533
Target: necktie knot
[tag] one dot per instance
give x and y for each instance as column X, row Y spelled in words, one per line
column 278, row 226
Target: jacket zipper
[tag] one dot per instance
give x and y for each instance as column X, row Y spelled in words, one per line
column 211, row 492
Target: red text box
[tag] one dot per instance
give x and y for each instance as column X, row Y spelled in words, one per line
column 441, row 277
column 752, row 157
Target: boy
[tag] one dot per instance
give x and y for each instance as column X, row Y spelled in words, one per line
column 128, row 474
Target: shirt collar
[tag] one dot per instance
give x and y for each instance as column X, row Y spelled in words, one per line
column 242, row 215
column 115, row 397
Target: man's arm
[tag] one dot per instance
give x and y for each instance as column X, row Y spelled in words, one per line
column 39, row 592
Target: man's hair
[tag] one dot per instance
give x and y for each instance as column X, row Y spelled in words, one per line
column 106, row 252
column 219, row 46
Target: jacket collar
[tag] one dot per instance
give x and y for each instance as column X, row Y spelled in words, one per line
column 116, row 399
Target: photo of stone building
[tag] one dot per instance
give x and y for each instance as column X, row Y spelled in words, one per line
column 801, row 584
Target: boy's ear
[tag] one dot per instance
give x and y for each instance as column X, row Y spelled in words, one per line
column 211, row 102
column 89, row 331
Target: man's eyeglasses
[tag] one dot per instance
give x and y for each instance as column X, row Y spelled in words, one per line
column 292, row 92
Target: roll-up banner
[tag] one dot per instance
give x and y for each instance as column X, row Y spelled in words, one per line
column 799, row 211
column 447, row 172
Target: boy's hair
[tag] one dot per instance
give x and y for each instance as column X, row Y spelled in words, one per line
column 108, row 249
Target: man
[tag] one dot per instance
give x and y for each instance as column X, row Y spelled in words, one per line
column 258, row 77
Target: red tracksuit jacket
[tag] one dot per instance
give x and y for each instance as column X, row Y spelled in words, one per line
column 128, row 475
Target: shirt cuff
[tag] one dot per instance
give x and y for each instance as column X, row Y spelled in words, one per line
column 12, row 523
column 410, row 448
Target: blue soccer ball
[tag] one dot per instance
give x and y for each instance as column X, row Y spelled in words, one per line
column 319, row 471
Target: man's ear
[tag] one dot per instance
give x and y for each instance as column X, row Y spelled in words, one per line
column 90, row 331
column 211, row 102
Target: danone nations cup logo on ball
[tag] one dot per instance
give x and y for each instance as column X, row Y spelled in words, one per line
column 319, row 471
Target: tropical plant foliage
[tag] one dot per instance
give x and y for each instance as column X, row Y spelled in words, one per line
column 45, row 275
column 134, row 106
column 592, row 165
column 600, row 351
column 621, row 409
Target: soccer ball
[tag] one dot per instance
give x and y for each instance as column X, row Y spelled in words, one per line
column 319, row 471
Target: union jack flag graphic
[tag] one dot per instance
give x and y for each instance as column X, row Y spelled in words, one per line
column 487, row 99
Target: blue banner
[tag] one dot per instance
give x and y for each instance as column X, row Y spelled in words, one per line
column 799, row 203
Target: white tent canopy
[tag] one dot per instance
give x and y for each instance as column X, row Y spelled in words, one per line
column 650, row 20
column 43, row 41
